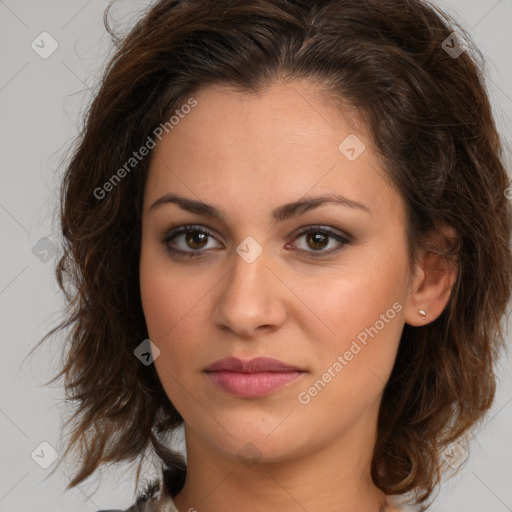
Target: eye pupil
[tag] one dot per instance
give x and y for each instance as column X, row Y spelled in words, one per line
column 194, row 237
column 317, row 238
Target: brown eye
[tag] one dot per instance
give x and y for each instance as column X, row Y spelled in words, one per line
column 318, row 238
column 187, row 240
column 193, row 241
column 196, row 239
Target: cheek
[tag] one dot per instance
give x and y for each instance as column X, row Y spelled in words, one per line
column 354, row 300
column 363, row 309
column 353, row 365
column 168, row 296
column 173, row 307
column 163, row 308
column 167, row 322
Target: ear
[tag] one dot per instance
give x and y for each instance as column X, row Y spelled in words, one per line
column 433, row 278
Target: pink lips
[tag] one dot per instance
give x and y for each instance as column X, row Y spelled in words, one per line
column 253, row 378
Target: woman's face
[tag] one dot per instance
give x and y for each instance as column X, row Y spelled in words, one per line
column 249, row 282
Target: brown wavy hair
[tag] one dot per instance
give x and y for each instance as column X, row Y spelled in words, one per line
column 431, row 120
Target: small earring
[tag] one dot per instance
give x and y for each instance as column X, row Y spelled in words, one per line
column 422, row 313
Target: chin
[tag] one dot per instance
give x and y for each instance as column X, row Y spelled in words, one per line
column 251, row 444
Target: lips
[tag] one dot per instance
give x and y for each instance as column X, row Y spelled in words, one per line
column 256, row 365
column 254, row 378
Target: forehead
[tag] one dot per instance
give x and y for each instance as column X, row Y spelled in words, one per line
column 262, row 149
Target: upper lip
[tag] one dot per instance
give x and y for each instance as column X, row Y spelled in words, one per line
column 256, row 365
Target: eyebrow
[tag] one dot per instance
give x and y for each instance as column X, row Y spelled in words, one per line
column 279, row 214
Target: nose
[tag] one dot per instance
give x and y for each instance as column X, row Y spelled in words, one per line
column 251, row 299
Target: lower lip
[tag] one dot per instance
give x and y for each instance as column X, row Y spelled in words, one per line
column 252, row 385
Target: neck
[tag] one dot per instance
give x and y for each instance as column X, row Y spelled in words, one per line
column 333, row 477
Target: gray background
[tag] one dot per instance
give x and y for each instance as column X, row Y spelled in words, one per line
column 42, row 101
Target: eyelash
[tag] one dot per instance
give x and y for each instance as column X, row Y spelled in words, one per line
column 344, row 240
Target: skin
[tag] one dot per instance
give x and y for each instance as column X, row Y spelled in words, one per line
column 247, row 154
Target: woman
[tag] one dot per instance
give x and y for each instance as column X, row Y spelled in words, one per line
column 286, row 227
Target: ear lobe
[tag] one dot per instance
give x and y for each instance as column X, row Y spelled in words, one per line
column 433, row 282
